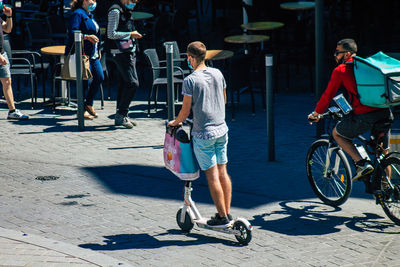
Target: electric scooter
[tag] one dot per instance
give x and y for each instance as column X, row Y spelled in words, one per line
column 188, row 215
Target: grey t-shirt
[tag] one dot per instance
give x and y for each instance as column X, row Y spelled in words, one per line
column 206, row 87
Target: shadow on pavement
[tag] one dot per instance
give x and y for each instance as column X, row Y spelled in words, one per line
column 249, row 191
column 313, row 218
column 146, row 241
column 146, row 181
column 159, row 183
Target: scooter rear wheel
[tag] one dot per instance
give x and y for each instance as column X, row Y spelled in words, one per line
column 187, row 225
column 245, row 234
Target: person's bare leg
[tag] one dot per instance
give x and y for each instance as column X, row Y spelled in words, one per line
column 7, row 91
column 226, row 185
column 347, row 145
column 216, row 190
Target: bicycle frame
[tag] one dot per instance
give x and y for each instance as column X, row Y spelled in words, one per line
column 329, row 151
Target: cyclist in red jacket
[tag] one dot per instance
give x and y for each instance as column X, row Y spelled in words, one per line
column 361, row 119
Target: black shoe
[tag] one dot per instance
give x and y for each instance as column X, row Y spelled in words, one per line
column 218, row 221
column 230, row 218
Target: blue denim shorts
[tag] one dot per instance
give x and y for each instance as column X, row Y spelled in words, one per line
column 210, row 152
column 5, row 70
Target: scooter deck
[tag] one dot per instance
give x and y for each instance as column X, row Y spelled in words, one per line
column 202, row 223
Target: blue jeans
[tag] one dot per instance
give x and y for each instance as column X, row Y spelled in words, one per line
column 98, row 78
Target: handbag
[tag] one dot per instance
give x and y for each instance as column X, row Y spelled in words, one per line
column 125, row 45
column 68, row 70
column 179, row 157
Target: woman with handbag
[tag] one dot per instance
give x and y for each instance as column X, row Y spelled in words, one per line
column 82, row 19
column 121, row 44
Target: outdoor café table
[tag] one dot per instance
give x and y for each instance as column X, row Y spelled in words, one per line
column 57, row 50
column 298, row 6
column 262, row 26
column 247, row 39
column 137, row 15
column 301, row 5
column 218, row 54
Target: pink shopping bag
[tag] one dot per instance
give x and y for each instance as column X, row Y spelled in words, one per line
column 179, row 159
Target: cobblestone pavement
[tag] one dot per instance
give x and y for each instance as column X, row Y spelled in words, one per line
column 105, row 191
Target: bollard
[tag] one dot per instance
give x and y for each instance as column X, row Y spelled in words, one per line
column 170, row 79
column 79, row 86
column 270, row 108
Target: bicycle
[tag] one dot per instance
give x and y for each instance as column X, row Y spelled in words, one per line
column 329, row 172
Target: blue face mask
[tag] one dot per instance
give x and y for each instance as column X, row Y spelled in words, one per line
column 189, row 65
column 130, row 5
column 92, row 7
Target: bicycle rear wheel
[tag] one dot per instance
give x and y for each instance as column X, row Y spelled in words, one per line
column 330, row 179
column 388, row 197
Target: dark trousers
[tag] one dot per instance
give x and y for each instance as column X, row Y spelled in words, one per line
column 126, row 65
column 98, row 79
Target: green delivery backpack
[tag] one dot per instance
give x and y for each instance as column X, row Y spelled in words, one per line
column 378, row 80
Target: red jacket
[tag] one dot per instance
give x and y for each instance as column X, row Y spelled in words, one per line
column 343, row 75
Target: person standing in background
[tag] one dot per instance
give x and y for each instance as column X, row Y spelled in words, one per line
column 121, row 45
column 82, row 19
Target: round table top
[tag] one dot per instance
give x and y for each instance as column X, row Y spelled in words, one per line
column 56, row 50
column 136, row 15
column 218, row 54
column 301, row 5
column 246, row 39
column 262, row 25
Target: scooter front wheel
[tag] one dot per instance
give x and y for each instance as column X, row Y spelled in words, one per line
column 245, row 234
column 187, row 224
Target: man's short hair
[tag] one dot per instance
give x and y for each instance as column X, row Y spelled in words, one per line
column 348, row 45
column 197, row 50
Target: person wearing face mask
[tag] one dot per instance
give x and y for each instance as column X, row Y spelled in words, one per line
column 82, row 19
column 204, row 93
column 361, row 119
column 121, row 44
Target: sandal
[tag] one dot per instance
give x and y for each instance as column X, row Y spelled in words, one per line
column 87, row 116
column 91, row 111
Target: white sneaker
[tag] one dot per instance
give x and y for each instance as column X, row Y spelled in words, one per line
column 363, row 168
column 16, row 115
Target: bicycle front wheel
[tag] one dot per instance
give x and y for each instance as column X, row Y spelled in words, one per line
column 329, row 173
column 389, row 196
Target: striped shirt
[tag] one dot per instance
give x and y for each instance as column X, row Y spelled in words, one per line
column 112, row 33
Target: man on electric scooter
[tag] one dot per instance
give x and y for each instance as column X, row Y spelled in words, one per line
column 361, row 119
column 204, row 92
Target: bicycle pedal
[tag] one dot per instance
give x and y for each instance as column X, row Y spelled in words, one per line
column 378, row 196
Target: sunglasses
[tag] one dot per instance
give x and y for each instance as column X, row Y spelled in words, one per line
column 337, row 52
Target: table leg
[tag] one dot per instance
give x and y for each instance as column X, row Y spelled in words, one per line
column 63, row 83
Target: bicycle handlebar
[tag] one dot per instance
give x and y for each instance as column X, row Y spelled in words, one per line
column 333, row 112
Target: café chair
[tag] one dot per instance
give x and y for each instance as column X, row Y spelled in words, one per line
column 23, row 63
column 57, row 28
column 159, row 79
column 37, row 34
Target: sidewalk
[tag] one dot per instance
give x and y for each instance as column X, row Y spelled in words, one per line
column 21, row 249
column 103, row 196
